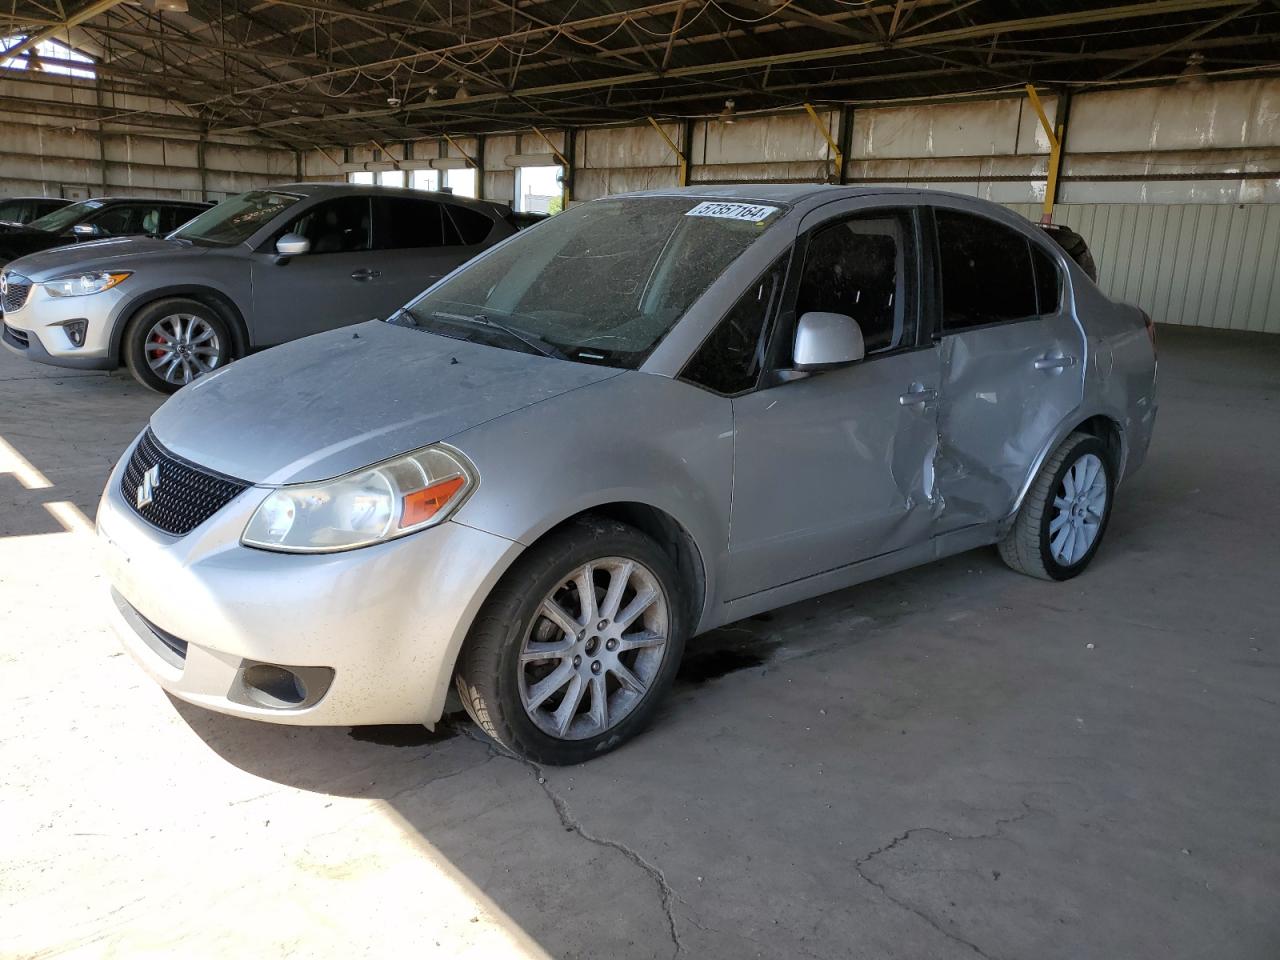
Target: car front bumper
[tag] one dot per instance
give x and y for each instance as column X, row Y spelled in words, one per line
column 374, row 632
column 36, row 329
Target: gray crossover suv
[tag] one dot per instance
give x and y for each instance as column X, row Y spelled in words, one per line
column 648, row 416
column 256, row 270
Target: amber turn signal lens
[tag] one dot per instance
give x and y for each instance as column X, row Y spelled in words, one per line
column 423, row 504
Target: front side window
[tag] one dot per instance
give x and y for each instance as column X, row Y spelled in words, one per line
column 65, row 217
column 237, row 218
column 127, row 219
column 340, row 225
column 859, row 267
column 987, row 275
column 603, row 282
column 731, row 358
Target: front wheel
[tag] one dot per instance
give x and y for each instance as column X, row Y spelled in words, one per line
column 578, row 644
column 1065, row 513
column 171, row 342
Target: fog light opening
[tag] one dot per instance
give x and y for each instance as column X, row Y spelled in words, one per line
column 75, row 331
column 280, row 687
column 274, row 686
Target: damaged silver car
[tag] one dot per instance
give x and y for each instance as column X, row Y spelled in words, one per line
column 653, row 415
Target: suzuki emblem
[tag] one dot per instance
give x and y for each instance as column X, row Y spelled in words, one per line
column 147, row 488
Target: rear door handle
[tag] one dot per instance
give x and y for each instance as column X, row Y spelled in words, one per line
column 1055, row 363
column 365, row 274
column 918, row 394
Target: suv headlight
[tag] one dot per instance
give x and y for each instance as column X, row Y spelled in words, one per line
column 367, row 506
column 83, row 284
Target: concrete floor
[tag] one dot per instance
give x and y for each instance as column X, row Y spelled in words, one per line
column 950, row 762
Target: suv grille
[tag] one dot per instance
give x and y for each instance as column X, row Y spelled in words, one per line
column 16, row 288
column 171, row 494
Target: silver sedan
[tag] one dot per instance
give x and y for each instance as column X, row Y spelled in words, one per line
column 652, row 415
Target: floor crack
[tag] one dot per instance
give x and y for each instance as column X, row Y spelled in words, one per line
column 569, row 822
column 907, row 905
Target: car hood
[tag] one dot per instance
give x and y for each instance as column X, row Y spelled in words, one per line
column 120, row 253
column 334, row 402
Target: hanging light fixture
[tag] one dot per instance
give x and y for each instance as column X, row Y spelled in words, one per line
column 1193, row 74
column 727, row 115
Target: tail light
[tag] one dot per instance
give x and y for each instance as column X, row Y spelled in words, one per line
column 1151, row 329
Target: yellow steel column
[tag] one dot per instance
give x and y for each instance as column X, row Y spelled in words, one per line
column 835, row 147
column 1055, row 154
column 681, row 159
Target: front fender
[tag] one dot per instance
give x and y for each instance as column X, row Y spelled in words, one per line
column 633, row 439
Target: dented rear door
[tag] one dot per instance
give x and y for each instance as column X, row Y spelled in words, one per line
column 1012, row 358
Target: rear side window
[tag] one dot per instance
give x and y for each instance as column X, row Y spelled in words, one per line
column 1048, row 281
column 473, row 226
column 987, row 276
column 171, row 218
column 407, row 224
column 730, row 359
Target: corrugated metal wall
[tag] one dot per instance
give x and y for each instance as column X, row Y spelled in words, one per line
column 1199, row 264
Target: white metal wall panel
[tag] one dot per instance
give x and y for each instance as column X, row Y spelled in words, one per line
column 1197, row 264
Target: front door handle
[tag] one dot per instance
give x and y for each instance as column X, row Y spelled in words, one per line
column 1055, row 363
column 918, row 393
column 365, row 274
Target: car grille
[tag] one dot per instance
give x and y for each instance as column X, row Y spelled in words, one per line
column 18, row 338
column 171, row 494
column 16, row 289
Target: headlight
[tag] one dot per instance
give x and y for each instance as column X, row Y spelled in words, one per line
column 83, row 284
column 368, row 506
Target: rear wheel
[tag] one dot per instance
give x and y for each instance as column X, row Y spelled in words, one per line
column 172, row 342
column 578, row 644
column 1065, row 513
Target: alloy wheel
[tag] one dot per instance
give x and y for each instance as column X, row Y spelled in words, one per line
column 593, row 649
column 1079, row 505
column 182, row 347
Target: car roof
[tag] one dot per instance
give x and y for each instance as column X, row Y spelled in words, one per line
column 113, row 199
column 334, row 189
column 807, row 195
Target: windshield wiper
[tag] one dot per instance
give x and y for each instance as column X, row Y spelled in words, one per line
column 530, row 340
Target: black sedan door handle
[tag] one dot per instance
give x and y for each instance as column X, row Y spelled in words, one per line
column 365, row 274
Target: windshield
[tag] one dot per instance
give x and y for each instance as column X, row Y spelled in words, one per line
column 60, row 220
column 236, row 219
column 601, row 283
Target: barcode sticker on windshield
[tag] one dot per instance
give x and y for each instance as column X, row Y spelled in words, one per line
column 753, row 212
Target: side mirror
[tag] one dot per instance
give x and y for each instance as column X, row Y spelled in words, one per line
column 292, row 245
column 827, row 340
column 85, row 230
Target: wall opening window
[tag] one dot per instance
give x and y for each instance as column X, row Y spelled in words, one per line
column 538, row 189
column 391, row 178
column 426, row 179
column 42, row 57
column 361, row 176
column 462, row 182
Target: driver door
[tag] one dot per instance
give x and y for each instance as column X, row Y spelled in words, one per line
column 837, row 467
column 333, row 285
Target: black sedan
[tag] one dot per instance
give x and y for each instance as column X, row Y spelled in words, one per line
column 96, row 220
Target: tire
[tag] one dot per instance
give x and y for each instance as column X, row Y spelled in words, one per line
column 188, row 323
column 495, row 683
column 1037, row 544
